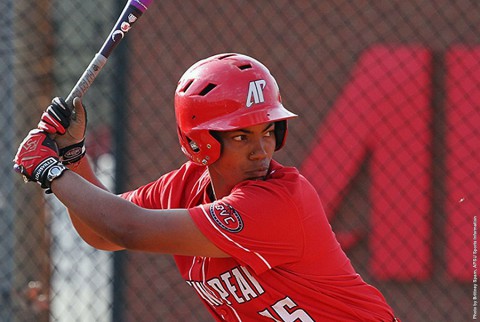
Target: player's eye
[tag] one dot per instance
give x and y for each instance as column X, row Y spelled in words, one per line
column 270, row 133
column 239, row 137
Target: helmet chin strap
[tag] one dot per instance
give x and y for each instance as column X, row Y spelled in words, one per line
column 211, row 192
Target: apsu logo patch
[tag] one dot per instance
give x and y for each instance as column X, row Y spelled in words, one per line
column 226, row 217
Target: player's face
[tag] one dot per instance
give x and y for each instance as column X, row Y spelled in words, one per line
column 246, row 155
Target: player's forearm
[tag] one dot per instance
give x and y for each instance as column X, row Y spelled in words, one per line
column 91, row 237
column 84, row 169
column 88, row 206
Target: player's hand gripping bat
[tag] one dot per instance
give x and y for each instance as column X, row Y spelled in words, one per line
column 39, row 152
column 61, row 114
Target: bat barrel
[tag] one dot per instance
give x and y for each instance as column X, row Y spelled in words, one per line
column 130, row 14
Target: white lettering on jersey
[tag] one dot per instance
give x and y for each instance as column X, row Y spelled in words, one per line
column 217, row 286
column 236, row 285
column 231, row 287
column 255, row 92
column 257, row 285
column 247, row 292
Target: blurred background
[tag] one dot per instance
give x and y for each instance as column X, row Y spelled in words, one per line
column 388, row 133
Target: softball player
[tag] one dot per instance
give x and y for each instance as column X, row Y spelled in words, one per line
column 249, row 235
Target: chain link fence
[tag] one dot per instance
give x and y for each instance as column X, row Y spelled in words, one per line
column 387, row 93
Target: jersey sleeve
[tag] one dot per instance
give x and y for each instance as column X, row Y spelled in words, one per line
column 147, row 196
column 171, row 190
column 258, row 224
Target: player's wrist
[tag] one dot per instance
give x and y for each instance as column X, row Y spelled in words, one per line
column 54, row 172
column 47, row 171
column 72, row 154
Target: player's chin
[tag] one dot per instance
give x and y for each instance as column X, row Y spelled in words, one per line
column 256, row 175
column 256, row 178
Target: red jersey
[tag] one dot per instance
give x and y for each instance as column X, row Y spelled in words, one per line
column 285, row 264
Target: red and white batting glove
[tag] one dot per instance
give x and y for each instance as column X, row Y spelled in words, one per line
column 68, row 127
column 37, row 159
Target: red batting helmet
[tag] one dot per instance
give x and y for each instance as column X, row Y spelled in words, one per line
column 222, row 93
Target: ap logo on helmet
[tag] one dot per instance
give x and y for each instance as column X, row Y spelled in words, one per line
column 255, row 92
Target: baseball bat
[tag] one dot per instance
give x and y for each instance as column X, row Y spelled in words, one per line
column 130, row 14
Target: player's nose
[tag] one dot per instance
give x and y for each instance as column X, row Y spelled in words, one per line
column 259, row 149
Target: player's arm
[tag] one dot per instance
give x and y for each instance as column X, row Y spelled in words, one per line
column 69, row 134
column 129, row 226
column 84, row 169
column 105, row 220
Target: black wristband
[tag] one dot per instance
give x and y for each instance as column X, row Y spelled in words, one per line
column 72, row 153
column 47, row 171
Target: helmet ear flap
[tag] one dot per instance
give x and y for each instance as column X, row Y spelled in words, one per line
column 184, row 143
column 201, row 147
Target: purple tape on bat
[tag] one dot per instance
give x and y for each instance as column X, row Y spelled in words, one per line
column 141, row 5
